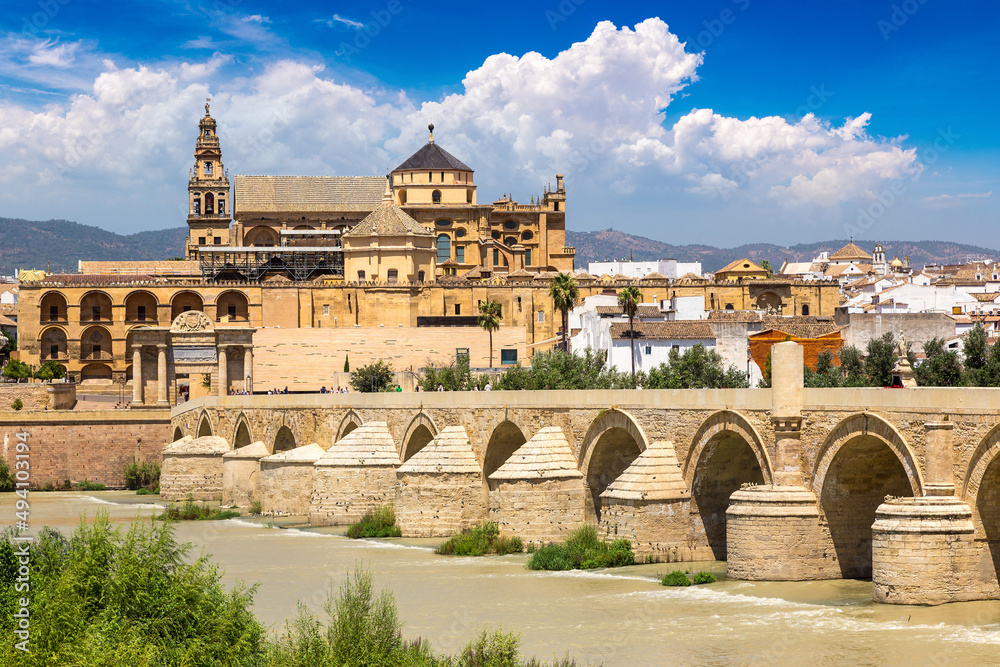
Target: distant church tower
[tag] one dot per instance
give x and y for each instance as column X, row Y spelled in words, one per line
column 879, row 267
column 208, row 192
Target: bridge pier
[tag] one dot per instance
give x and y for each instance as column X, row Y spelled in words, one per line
column 773, row 531
column 923, row 548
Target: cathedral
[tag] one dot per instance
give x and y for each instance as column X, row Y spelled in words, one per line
column 288, row 280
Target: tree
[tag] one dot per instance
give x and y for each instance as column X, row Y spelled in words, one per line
column 51, row 370
column 564, row 293
column 563, row 370
column 698, row 368
column 16, row 370
column 942, row 368
column 880, row 359
column 825, row 375
column 629, row 299
column 852, row 367
column 347, row 363
column 454, row 377
column 766, row 265
column 490, row 314
column 375, row 377
column 975, row 353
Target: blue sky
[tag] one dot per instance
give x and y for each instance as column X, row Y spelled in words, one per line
column 718, row 122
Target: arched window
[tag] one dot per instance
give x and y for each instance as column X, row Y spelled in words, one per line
column 729, row 306
column 510, row 240
column 443, row 248
column 197, row 206
column 805, row 309
column 436, row 197
column 393, row 276
column 495, row 235
column 208, row 168
column 209, row 203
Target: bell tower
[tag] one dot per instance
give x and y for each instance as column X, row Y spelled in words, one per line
column 208, row 192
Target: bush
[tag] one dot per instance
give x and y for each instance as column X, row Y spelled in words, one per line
column 256, row 508
column 90, row 486
column 145, row 475
column 675, row 578
column 51, row 370
column 17, row 404
column 16, row 370
column 482, row 539
column 191, row 511
column 113, row 596
column 585, row 550
column 378, row 523
column 375, row 377
column 704, row 578
column 143, row 492
column 6, row 477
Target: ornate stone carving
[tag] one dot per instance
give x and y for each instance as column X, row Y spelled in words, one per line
column 191, row 321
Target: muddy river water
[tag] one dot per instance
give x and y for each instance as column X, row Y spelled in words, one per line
column 620, row 617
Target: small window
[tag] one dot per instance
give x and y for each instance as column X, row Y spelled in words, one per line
column 222, row 207
column 96, row 312
column 557, row 205
column 186, row 308
column 53, row 351
column 53, row 312
column 541, row 316
column 141, row 313
column 208, row 168
column 97, row 351
column 420, row 276
column 442, row 177
column 508, row 357
column 197, row 207
column 231, row 311
column 461, row 352
column 201, row 240
column 361, row 276
column 460, row 232
column 527, row 235
column 326, row 309
column 527, row 257
column 460, row 254
column 729, row 306
column 956, row 310
column 436, row 197
column 208, row 132
column 510, row 224
column 509, row 241
column 649, row 349
column 496, row 257
column 805, row 309
column 495, row 235
column 458, row 309
column 218, row 239
column 675, row 347
column 443, row 248
column 443, row 223
column 430, row 177
column 979, row 276
column 393, row 276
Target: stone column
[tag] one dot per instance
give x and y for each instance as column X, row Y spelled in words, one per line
column 162, row 397
column 923, row 549
column 248, row 367
column 773, row 531
column 137, row 374
column 223, row 371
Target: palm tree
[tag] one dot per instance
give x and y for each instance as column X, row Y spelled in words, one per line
column 564, row 293
column 629, row 299
column 490, row 315
column 766, row 265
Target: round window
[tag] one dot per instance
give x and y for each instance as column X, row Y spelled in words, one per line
column 510, row 224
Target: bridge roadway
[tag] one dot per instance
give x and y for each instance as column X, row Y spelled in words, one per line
column 785, row 483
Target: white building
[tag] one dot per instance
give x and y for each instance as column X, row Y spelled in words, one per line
column 654, row 342
column 669, row 268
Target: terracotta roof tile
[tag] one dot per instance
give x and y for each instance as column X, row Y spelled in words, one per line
column 851, row 251
column 734, row 316
column 641, row 311
column 292, row 194
column 388, row 220
column 674, row 330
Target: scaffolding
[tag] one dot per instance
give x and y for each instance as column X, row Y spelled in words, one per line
column 253, row 264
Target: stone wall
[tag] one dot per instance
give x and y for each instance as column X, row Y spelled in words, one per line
column 286, row 487
column 34, row 395
column 430, row 505
column 343, row 495
column 918, row 327
column 195, row 476
column 539, row 512
column 657, row 529
column 240, row 481
column 84, row 445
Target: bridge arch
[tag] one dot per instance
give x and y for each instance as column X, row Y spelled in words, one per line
column 205, row 426
column 612, row 442
column 504, row 440
column 981, row 489
column 420, row 431
column 284, row 440
column 241, row 436
column 726, row 452
column 348, row 423
column 863, row 459
column 178, row 434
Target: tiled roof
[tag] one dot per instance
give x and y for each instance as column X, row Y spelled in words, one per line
column 474, row 273
column 655, row 276
column 691, row 276
column 654, row 475
column 450, row 452
column 987, row 297
column 388, row 220
column 801, row 330
column 6, row 321
column 432, row 156
column 738, row 265
column 293, row 194
column 547, row 455
column 641, row 311
column 734, row 316
column 851, row 251
column 675, row 330
column 368, row 445
column 94, row 279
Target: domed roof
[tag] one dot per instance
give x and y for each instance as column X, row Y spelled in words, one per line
column 432, row 156
column 851, row 251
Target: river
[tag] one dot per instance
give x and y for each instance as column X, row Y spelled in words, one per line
column 619, row 617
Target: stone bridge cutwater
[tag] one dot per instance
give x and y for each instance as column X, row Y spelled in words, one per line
column 900, row 485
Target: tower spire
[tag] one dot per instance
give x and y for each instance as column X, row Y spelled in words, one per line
column 430, row 129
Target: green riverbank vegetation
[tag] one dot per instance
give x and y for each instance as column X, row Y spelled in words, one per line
column 110, row 596
column 380, row 522
column 583, row 550
column 680, row 578
column 189, row 510
column 481, row 540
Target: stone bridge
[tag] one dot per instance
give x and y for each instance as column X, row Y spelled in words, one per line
column 901, row 485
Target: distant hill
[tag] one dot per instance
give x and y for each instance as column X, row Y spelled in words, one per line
column 610, row 245
column 61, row 244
